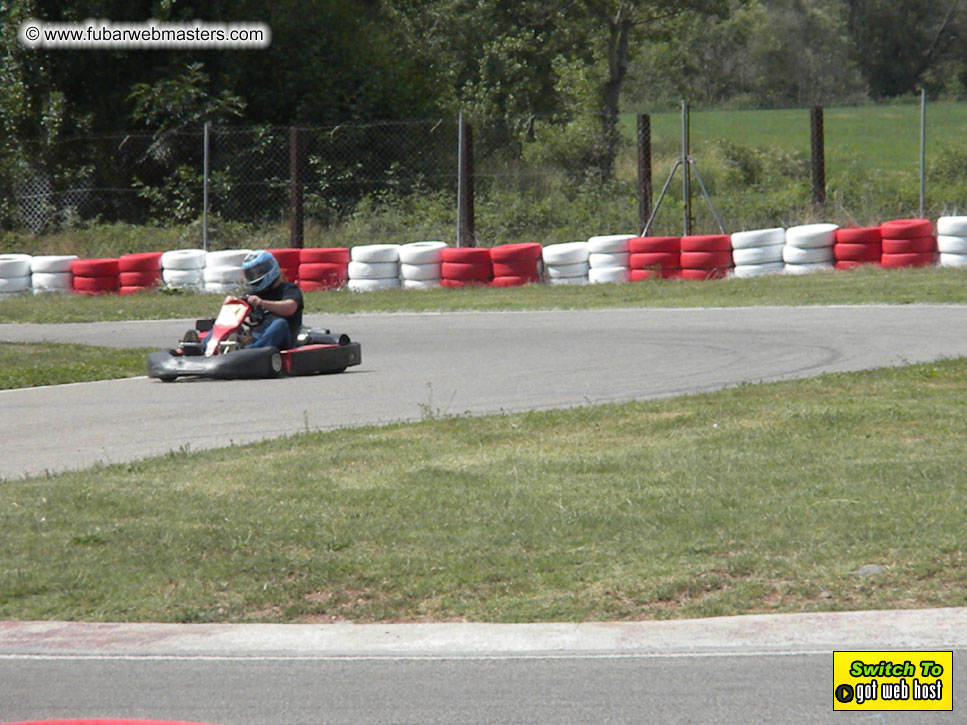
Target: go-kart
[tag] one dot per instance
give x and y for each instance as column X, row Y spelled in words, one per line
column 224, row 355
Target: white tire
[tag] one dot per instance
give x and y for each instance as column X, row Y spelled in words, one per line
column 14, row 265
column 226, row 258
column 758, row 238
column 757, row 270
column 952, row 226
column 813, row 255
column 52, row 263
column 421, row 283
column 375, row 253
column 420, row 272
column 370, row 285
column 609, row 244
column 953, row 260
column 421, row 252
column 374, row 270
column 52, row 281
column 947, row 244
column 807, row 268
column 566, row 253
column 609, row 259
column 568, row 280
column 181, row 278
column 558, row 271
column 224, row 275
column 757, row 255
column 183, row 259
column 810, row 236
column 9, row 285
column 602, row 275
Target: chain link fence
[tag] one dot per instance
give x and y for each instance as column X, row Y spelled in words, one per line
column 397, row 181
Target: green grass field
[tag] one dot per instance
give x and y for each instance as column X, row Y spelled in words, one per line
column 760, row 498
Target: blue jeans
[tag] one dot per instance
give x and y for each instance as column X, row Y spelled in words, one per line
column 275, row 334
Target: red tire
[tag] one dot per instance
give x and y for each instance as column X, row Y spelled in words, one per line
column 707, row 243
column 706, row 260
column 914, row 245
column 896, row 261
column 654, row 245
column 514, row 280
column 702, row 274
column 324, row 255
column 465, row 255
column 143, row 262
column 287, row 257
column 647, row 260
column 472, row 271
column 857, row 252
column 862, row 235
column 139, row 279
column 329, row 274
column 515, row 268
column 640, row 275
column 95, row 267
column 906, row 228
column 516, row 252
column 95, row 284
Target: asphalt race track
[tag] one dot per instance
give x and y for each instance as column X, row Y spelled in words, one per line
column 419, row 364
column 747, row 669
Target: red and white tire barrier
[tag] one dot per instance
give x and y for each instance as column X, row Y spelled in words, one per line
column 952, row 241
column 138, row 272
column 809, row 248
column 466, row 267
column 654, row 257
column 95, row 276
column 516, row 264
column 908, row 243
column 707, row 256
column 566, row 263
column 51, row 273
column 609, row 259
column 223, row 271
column 323, row 268
column 183, row 269
column 758, row 252
column 420, row 264
column 289, row 260
column 374, row 267
column 855, row 247
column 15, row 273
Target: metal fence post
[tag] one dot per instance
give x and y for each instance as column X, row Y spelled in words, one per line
column 644, row 169
column 204, row 186
column 818, row 145
column 296, row 219
column 686, row 169
column 923, row 152
column 465, row 216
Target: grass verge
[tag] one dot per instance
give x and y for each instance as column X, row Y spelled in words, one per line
column 862, row 286
column 23, row 365
column 759, row 498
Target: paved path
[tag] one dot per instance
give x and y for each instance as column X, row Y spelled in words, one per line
column 419, row 364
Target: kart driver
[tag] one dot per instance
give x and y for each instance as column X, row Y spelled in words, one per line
column 281, row 301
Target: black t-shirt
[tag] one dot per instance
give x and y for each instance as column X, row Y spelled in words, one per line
column 284, row 291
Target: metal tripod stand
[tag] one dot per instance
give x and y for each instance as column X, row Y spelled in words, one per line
column 686, row 162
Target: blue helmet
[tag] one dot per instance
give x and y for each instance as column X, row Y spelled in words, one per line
column 261, row 270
